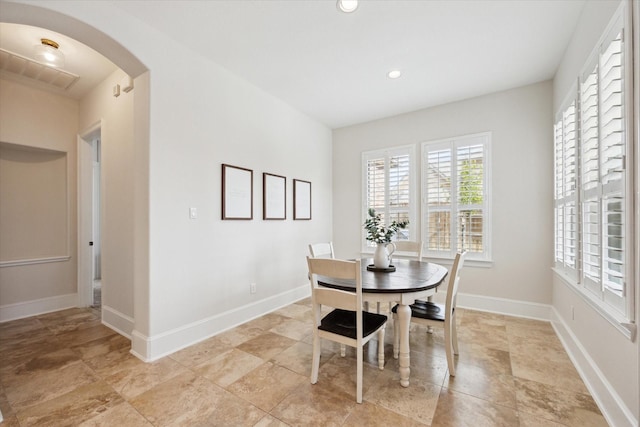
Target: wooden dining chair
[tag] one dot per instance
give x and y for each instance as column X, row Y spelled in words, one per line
column 347, row 323
column 431, row 314
column 413, row 248
column 322, row 250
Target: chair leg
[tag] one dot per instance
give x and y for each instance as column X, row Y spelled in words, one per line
column 381, row 348
column 315, row 363
column 359, row 375
column 396, row 336
column 448, row 345
column 430, row 328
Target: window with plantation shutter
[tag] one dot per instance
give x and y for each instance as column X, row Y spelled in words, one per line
column 456, row 197
column 566, row 215
column 388, row 187
column 592, row 194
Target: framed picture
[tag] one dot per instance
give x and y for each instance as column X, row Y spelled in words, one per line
column 274, row 196
column 237, row 192
column 301, row 199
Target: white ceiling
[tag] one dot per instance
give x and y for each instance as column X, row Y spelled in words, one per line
column 333, row 66
column 80, row 59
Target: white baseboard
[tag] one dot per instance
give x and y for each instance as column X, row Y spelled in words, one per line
column 509, row 307
column 21, row 310
column 609, row 402
column 121, row 323
column 152, row 348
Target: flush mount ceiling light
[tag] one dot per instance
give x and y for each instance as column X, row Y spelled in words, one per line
column 347, row 6
column 394, row 74
column 48, row 53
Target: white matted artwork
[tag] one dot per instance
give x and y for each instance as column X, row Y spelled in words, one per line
column 237, row 192
column 274, row 200
column 301, row 199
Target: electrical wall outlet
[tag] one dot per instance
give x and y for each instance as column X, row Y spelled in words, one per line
column 252, row 288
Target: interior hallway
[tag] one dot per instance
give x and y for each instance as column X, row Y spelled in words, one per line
column 65, row 368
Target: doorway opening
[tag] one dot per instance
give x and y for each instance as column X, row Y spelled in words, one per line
column 90, row 286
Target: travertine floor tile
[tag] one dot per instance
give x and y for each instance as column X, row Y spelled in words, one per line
column 528, row 420
column 102, row 346
column 298, row 357
column 418, row 401
column 200, row 352
column 368, row 414
column 228, row 367
column 554, row 404
column 548, row 366
column 238, row 335
column 296, row 311
column 188, row 399
column 310, row 405
column 122, row 414
column 267, row 385
column 495, row 387
column 140, row 377
column 113, row 362
column 270, row 421
column 72, row 408
column 267, row 345
column 461, row 410
column 293, row 328
column 266, row 322
column 49, row 384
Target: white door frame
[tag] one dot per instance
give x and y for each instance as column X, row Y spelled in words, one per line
column 85, row 214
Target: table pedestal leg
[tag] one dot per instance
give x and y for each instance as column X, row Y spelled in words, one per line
column 404, row 318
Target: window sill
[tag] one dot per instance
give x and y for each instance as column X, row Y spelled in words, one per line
column 624, row 326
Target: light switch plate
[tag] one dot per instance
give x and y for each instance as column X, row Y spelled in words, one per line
column 193, row 213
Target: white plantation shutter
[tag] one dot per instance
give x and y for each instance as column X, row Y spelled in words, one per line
column 558, row 193
column 470, row 174
column 438, row 197
column 388, row 187
column 455, row 202
column 565, row 189
column 590, row 179
column 592, row 224
column 569, row 162
column 612, row 173
column 602, row 175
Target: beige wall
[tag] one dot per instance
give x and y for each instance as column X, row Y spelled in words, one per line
column 522, row 159
column 117, row 168
column 33, row 118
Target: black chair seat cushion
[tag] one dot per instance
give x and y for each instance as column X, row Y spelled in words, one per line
column 426, row 310
column 343, row 322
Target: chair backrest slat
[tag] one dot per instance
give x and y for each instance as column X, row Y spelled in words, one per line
column 409, row 246
column 336, row 298
column 454, row 280
column 321, row 250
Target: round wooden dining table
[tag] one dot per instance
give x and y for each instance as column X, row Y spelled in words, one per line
column 411, row 280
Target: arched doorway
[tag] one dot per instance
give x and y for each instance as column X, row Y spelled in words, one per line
column 135, row 308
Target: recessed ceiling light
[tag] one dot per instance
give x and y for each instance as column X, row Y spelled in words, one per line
column 394, row 74
column 347, row 6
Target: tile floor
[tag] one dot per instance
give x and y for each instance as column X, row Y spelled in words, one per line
column 65, row 368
